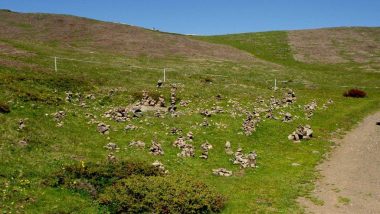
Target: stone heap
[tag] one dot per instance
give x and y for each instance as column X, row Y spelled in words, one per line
column 184, row 103
column 205, row 147
column 302, row 132
column 58, row 116
column 23, row 143
column 136, row 111
column 69, row 96
column 270, row 114
column 249, row 124
column 243, row 160
column 290, row 97
column 175, row 131
column 160, row 83
column 190, row 136
column 222, row 172
column 227, row 148
column 216, row 110
column 130, row 127
column 111, row 158
column 274, row 103
column 21, row 124
column 156, row 149
column 179, row 143
column 205, row 113
column 147, row 100
column 173, row 99
column 310, row 108
column 118, row 114
column 159, row 113
column 205, row 122
column 161, row 168
column 161, row 101
column 187, row 151
column 287, row 117
column 137, row 144
column 111, row 146
column 103, row 128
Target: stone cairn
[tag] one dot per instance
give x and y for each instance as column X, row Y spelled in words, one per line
column 173, row 99
column 137, row 144
column 161, row 101
column 222, row 172
column 249, row 124
column 190, row 136
column 175, row 131
column 205, row 148
column 147, row 100
column 58, row 117
column 130, row 127
column 156, row 149
column 287, row 117
column 161, row 168
column 205, row 113
column 103, row 128
column 111, row 146
column 205, row 123
column 248, row 160
column 227, row 148
column 69, row 96
column 187, row 151
column 289, row 98
column 136, row 111
column 309, row 109
column 21, row 124
column 118, row 114
column 160, row 83
column 302, row 132
column 179, row 143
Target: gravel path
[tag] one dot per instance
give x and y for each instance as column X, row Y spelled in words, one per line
column 350, row 181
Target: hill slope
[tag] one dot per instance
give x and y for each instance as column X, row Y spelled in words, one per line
column 91, row 35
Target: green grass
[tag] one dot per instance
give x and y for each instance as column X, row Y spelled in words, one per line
column 273, row 187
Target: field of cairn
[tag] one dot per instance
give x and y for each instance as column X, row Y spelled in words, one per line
column 216, row 133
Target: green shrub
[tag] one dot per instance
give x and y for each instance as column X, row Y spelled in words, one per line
column 139, row 194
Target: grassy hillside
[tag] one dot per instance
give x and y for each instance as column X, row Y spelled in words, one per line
column 34, row 91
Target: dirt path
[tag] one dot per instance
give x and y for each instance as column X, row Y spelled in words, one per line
column 350, row 180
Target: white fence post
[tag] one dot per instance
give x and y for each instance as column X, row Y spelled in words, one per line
column 55, row 64
column 164, row 74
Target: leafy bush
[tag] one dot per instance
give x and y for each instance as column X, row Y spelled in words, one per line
column 136, row 187
column 4, row 108
column 139, row 194
column 357, row 93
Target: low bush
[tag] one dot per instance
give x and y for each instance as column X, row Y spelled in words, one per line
column 4, row 108
column 139, row 194
column 357, row 93
column 136, row 187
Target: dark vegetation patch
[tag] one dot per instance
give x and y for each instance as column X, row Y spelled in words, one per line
column 136, row 187
column 356, row 93
column 4, row 108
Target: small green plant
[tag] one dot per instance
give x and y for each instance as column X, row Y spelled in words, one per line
column 343, row 200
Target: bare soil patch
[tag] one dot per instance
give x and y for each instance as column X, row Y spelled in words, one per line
column 350, row 177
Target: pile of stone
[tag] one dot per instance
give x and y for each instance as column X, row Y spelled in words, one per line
column 175, row 131
column 23, row 143
column 245, row 160
column 161, row 168
column 270, row 114
column 290, row 97
column 117, row 114
column 58, row 116
column 205, row 148
column 274, row 103
column 156, row 149
column 302, row 132
column 216, row 110
column 160, row 83
column 69, row 96
column 205, row 113
column 310, row 108
column 111, row 158
column 103, row 128
column 136, row 111
column 187, row 151
column 184, row 103
column 179, row 143
column 227, row 148
column 21, row 124
column 249, row 124
column 159, row 114
column 205, row 123
column 287, row 117
column 137, row 144
column 222, row 172
column 147, row 100
column 111, row 146
column 190, row 136
column 161, row 101
column 173, row 99
column 130, row 127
